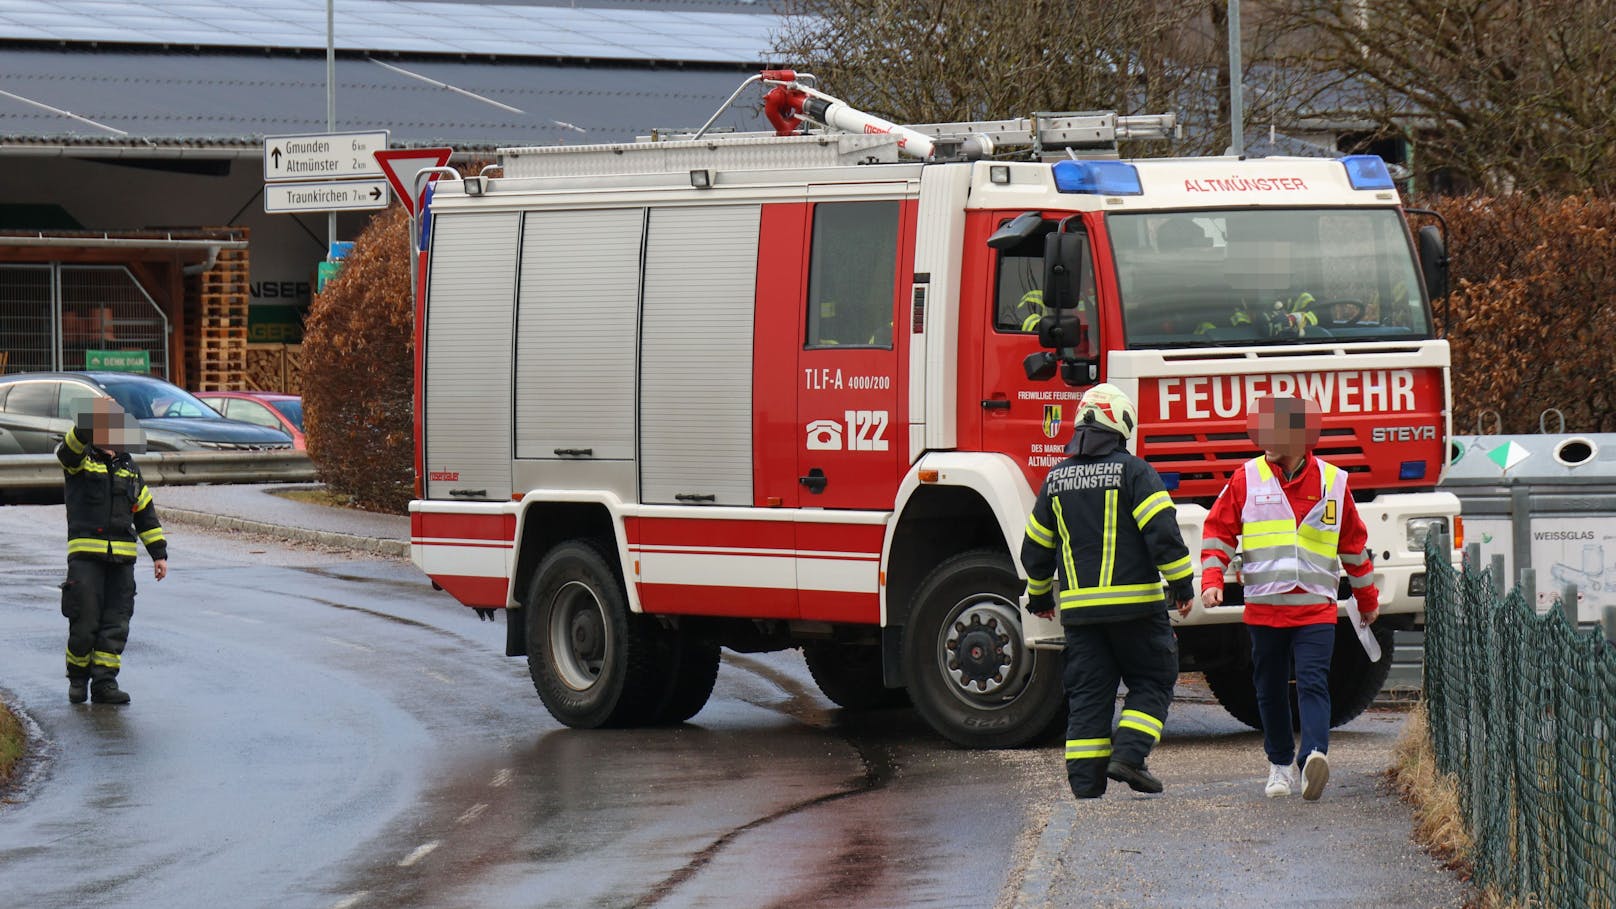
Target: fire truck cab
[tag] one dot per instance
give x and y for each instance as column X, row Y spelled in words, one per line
column 763, row 392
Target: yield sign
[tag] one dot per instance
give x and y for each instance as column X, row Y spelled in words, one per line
column 402, row 164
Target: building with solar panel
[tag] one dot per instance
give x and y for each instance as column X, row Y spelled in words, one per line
column 133, row 200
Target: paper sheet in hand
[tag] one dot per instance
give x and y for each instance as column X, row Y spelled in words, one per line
column 1366, row 636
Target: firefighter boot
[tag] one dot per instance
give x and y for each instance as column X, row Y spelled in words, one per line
column 108, row 693
column 1139, row 778
column 78, row 690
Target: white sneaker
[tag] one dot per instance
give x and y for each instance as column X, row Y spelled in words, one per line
column 1315, row 773
column 1279, row 780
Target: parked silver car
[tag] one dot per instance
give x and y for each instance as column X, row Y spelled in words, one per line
column 37, row 410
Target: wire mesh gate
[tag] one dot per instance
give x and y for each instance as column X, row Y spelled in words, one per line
column 51, row 315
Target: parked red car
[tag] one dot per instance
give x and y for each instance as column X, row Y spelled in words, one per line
column 265, row 408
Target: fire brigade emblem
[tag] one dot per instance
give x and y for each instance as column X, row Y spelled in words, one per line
column 1052, row 420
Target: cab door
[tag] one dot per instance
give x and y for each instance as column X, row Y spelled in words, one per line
column 1028, row 419
column 853, row 441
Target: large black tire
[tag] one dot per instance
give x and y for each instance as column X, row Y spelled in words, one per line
column 850, row 675
column 1231, row 685
column 691, row 669
column 968, row 672
column 1354, row 681
column 593, row 662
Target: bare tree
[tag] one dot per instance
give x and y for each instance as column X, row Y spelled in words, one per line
column 918, row 61
column 1506, row 94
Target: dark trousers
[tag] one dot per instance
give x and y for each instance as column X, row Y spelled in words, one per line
column 98, row 599
column 1274, row 653
column 1141, row 653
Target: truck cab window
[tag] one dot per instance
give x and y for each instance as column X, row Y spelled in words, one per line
column 1274, row 276
column 852, row 273
column 1018, row 286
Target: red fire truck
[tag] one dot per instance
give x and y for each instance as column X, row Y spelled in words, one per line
column 797, row 390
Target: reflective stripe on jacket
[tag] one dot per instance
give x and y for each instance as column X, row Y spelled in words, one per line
column 1281, row 552
column 108, row 505
column 1105, row 526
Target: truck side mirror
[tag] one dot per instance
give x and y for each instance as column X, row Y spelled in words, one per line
column 1016, row 230
column 1063, row 268
column 1433, row 261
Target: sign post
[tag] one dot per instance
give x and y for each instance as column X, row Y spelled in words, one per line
column 403, row 167
column 336, row 195
column 328, row 172
column 323, row 156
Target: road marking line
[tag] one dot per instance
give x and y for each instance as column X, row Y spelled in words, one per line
column 472, row 813
column 502, row 778
column 231, row 615
column 421, row 852
column 342, row 643
column 350, row 901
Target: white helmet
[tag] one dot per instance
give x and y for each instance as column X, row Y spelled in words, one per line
column 1107, row 405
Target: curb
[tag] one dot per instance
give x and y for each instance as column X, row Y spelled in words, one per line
column 1052, row 845
column 399, row 549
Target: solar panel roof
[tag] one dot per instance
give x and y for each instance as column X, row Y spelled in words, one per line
column 124, row 97
column 695, row 31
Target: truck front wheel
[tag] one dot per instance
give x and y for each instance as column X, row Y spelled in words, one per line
column 968, row 671
column 593, row 662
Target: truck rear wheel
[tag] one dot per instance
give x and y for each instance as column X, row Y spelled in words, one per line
column 1354, row 680
column 593, row 662
column 691, row 670
column 969, row 673
column 850, row 675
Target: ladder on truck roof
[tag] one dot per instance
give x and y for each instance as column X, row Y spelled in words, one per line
column 845, row 136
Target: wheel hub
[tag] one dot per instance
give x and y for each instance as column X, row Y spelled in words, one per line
column 578, row 636
column 981, row 648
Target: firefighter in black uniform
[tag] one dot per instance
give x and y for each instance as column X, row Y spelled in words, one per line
column 108, row 505
column 1106, row 528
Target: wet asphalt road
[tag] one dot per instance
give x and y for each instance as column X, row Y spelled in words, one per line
column 314, row 730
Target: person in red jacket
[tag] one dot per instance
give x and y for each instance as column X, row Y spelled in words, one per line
column 1298, row 528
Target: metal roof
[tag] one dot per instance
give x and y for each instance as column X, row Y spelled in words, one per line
column 694, row 31
column 211, row 99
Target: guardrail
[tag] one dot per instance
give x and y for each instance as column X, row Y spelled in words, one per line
column 172, row 468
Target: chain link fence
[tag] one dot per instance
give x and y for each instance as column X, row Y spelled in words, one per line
column 1522, row 708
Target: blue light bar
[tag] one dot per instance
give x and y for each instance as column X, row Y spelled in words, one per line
column 1170, row 480
column 1411, row 470
column 1367, row 172
column 426, row 216
column 1100, row 178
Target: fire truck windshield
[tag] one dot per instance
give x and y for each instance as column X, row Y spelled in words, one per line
column 1271, row 276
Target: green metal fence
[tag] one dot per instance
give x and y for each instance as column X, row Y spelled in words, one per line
column 1522, row 713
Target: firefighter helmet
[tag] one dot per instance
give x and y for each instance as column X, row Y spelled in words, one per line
column 1107, row 405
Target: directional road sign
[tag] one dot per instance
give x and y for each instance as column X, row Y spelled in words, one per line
column 402, row 164
column 334, row 195
column 323, row 156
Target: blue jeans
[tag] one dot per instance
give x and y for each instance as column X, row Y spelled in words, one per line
column 1274, row 651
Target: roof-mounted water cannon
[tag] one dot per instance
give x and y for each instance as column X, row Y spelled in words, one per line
column 790, row 103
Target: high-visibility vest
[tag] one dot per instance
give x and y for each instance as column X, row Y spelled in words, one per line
column 1279, row 552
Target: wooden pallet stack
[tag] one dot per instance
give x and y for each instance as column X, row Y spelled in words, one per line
column 218, row 329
